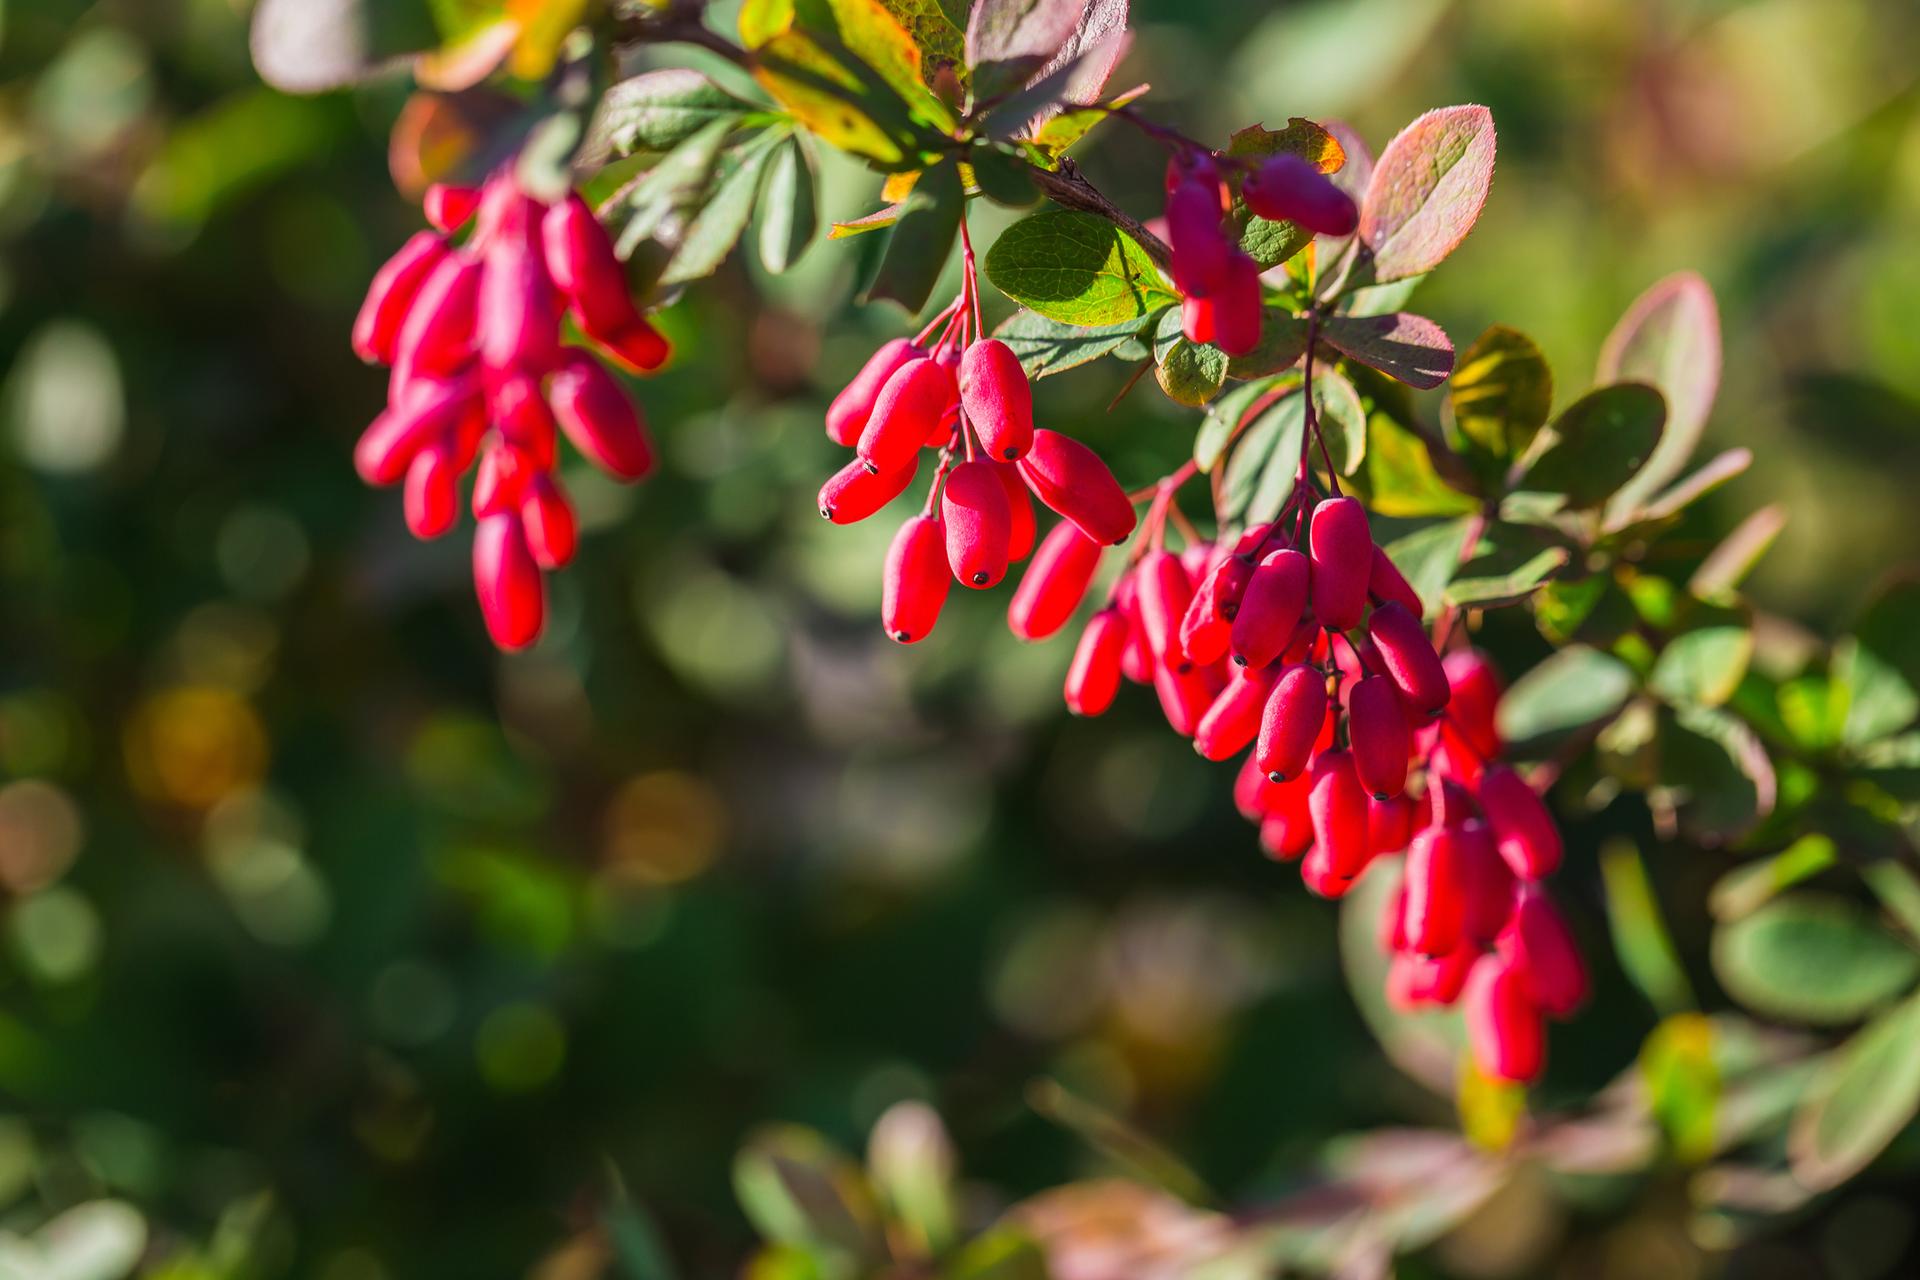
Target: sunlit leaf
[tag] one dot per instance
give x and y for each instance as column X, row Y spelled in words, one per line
column 1571, row 688
column 1682, row 1078
column 1748, row 887
column 1878, row 663
column 1427, row 190
column 1639, row 934
column 1670, row 339
column 789, row 219
column 658, row 110
column 1411, row 348
column 1047, row 346
column 1498, row 399
column 1076, row 268
column 1191, row 373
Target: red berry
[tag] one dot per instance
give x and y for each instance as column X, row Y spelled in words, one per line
column 581, row 259
column 998, row 399
column 1390, row 823
column 1339, row 809
column 1504, row 1026
column 915, row 582
column 1472, row 709
column 376, row 330
column 1386, row 584
column 521, row 415
column 1094, row 677
column 1436, row 898
column 547, row 516
column 518, row 320
column 847, row 415
column 429, row 411
column 603, row 423
column 1407, row 654
column 1382, row 743
column 437, row 336
column 505, row 577
column 1072, row 480
column 449, row 207
column 1184, row 696
column 1237, row 307
column 1270, row 608
column 1539, row 945
column 973, row 507
column 1288, row 833
column 911, row 404
column 1416, row 982
column 431, row 504
column 1342, row 553
column 1165, row 593
column 1485, row 882
column 1024, row 528
column 853, row 493
column 1319, row 874
column 1524, row 830
column 1203, row 636
column 1199, row 317
column 1292, row 722
column 1233, row 718
column 1054, row 584
column 1291, row 188
column 1201, row 250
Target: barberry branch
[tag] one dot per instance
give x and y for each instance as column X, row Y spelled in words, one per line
column 1068, row 188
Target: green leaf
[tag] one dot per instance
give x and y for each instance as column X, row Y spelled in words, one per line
column 1223, row 419
column 1703, row 666
column 837, row 75
column 1002, row 178
column 922, row 240
column 1072, row 76
column 310, row 46
column 658, row 110
column 1061, row 132
column 636, row 1243
column 1640, row 936
column 1427, row 190
column 1076, row 268
column 1001, row 1254
column 1342, row 418
column 943, row 44
column 674, row 186
column 710, row 237
column 1728, row 564
column 1670, row 339
column 879, row 220
column 1283, row 340
column 1591, row 610
column 1812, row 957
column 1572, row 688
column 1898, row 889
column 1747, row 888
column 1499, row 398
column 1863, row 1096
column 1596, row 444
column 1682, row 1078
column 1399, row 478
column 868, row 31
column 1114, row 1138
column 789, row 218
column 1047, row 346
column 1262, row 470
column 1488, row 590
column 1715, row 777
column 1428, row 558
column 1879, row 663
column 798, row 1190
column 912, row 1162
column 1411, row 348
column 1266, row 241
column 1191, row 373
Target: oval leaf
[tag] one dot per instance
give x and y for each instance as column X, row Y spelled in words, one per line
column 1594, row 447
column 1499, row 399
column 1865, row 1094
column 1670, row 339
column 1410, row 348
column 1075, row 268
column 1427, row 190
column 1574, row 687
column 1812, row 957
column 658, row 110
column 788, row 216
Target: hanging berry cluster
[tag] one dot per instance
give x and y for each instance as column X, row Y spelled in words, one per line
column 473, row 333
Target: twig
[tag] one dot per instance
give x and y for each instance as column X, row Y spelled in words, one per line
column 1066, row 187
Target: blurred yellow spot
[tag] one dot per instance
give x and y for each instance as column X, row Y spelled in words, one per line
column 1491, row 1111
column 520, row 1046
column 39, row 835
column 663, row 828
column 194, row 745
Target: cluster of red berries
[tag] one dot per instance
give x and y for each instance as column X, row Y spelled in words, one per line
column 967, row 397
column 473, row 334
column 1219, row 283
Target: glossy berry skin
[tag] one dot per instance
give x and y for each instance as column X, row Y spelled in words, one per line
column 1382, row 743
column 512, row 599
column 1472, row 710
column 853, row 493
column 1338, row 805
column 847, row 415
column 598, row 417
column 973, row 506
column 1342, row 552
column 998, row 399
column 1203, row 636
column 1387, row 585
column 449, row 207
column 1094, row 676
column 1486, row 885
column 1023, row 528
column 1054, row 584
column 1233, row 718
column 1201, row 251
column 553, row 533
column 1539, row 945
column 1071, row 479
column 1504, row 1027
column 915, row 580
column 376, row 331
column 1410, row 661
column 1523, row 829
column 581, row 260
column 1416, row 982
column 1164, row 594
column 1184, row 697
column 1291, row 723
column 1237, row 307
column 1200, row 317
column 431, row 411
column 1270, row 608
column 1436, row 898
column 431, row 502
column 1291, row 188
column 910, row 407
column 1390, row 823
column 436, row 338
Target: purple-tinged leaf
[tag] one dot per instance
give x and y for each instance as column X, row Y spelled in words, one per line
column 1670, row 339
column 1098, row 42
column 1405, row 346
column 308, row 46
column 1721, row 469
column 1009, row 30
column 1427, row 191
column 1353, row 176
column 1738, row 553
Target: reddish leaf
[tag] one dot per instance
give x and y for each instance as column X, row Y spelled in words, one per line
column 1670, row 339
column 1411, row 348
column 1427, row 190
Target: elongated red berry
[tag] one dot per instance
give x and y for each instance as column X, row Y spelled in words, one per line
column 1071, row 479
column 1504, row 1026
column 847, row 415
column 853, row 493
column 1200, row 317
column 1184, row 696
column 998, row 399
column 376, row 330
column 1237, row 307
column 1233, row 718
column 429, row 412
column 518, row 321
column 911, row 405
column 1538, row 943
column 1203, row 635
column 915, row 581
column 1339, row 809
column 437, row 336
column 507, row 581
column 1231, row 576
column 1270, row 608
column 1342, row 553
column 973, row 507
column 1386, row 584
column 1436, row 899
column 1416, row 982
column 1094, row 676
column 448, row 207
column 1165, row 593
column 1472, row 711
column 501, row 480
column 1382, row 743
column 1287, row 832
column 553, row 533
column 431, row 503
column 599, row 418
column 1408, row 656
column 1390, row 823
column 1054, row 584
column 1201, row 250
column 1291, row 723
column 1291, row 188
column 1485, row 883
column 580, row 257
column 1023, row 528
column 1136, row 664
column 1523, row 829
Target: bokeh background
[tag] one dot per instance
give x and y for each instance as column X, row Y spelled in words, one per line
column 336, row 945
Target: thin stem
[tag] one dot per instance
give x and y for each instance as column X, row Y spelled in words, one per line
column 1066, row 187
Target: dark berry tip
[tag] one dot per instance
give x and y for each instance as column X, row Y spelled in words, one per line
column 826, row 513
column 980, row 579
column 1239, row 659
column 869, row 467
column 1276, row 776
column 903, row 637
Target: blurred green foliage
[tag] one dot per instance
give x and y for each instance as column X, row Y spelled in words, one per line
column 335, row 945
